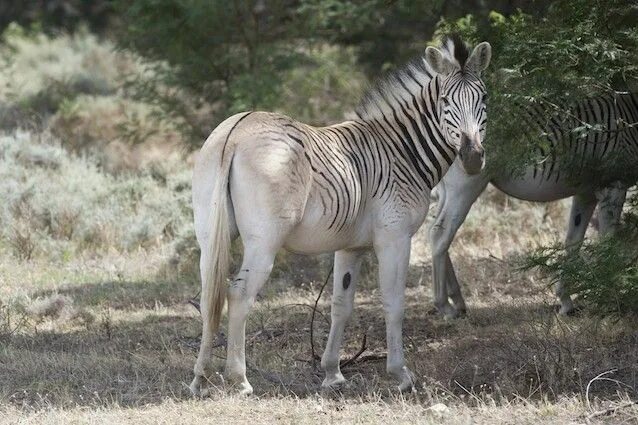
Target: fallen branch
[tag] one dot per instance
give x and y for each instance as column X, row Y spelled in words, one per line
column 372, row 357
column 611, row 409
column 315, row 357
column 351, row 360
column 193, row 301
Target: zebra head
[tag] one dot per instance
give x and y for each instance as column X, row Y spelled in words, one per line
column 461, row 102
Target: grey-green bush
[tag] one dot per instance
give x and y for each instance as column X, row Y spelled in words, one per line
column 56, row 204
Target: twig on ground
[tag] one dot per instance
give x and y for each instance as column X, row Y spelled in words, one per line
column 601, row 377
column 312, row 322
column 372, row 357
column 269, row 376
column 349, row 361
column 611, row 409
column 193, row 301
column 323, row 316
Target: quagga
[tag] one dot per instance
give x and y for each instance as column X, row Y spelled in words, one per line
column 615, row 135
column 345, row 188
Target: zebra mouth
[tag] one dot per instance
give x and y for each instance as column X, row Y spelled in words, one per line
column 472, row 155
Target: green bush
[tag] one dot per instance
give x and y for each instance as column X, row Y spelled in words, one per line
column 604, row 273
column 578, row 49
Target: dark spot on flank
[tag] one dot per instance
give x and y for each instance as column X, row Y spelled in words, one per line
column 577, row 220
column 346, row 280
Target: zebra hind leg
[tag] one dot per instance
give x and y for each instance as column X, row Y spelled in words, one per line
column 610, row 205
column 255, row 270
column 580, row 214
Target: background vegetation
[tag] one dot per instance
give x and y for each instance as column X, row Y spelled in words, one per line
column 103, row 105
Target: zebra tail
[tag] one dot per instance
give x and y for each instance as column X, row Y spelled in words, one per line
column 214, row 278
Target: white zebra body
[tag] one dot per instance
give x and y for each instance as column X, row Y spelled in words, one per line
column 364, row 183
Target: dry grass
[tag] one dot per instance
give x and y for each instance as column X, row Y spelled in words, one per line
column 512, row 360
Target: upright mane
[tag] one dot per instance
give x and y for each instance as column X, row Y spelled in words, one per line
column 398, row 86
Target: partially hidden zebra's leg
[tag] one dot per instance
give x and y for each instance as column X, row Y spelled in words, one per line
column 582, row 209
column 242, row 291
column 610, row 204
column 457, row 194
column 393, row 256
column 347, row 266
column 454, row 289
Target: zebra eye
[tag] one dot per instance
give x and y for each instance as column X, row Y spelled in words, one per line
column 445, row 99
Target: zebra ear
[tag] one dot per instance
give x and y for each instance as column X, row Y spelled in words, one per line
column 480, row 58
column 437, row 61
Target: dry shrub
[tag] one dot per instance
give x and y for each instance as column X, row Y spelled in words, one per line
column 56, row 306
column 53, row 306
column 74, row 206
column 45, row 70
column 22, row 241
column 123, row 134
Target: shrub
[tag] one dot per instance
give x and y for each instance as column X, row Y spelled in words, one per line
column 604, row 273
column 122, row 134
column 56, row 204
column 39, row 72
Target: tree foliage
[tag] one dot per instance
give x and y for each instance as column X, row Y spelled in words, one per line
column 228, row 55
column 579, row 49
column 53, row 15
column 233, row 56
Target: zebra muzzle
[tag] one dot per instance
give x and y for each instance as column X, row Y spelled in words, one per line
column 472, row 154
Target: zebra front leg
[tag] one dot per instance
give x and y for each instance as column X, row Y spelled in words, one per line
column 457, row 193
column 582, row 209
column 453, row 288
column 393, row 256
column 347, row 265
column 255, row 270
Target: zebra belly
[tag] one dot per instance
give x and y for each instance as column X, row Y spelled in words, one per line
column 316, row 233
column 535, row 189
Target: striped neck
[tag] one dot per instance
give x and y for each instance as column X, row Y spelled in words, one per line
column 410, row 128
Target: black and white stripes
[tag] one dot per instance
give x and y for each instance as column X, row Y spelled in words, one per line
column 360, row 184
column 406, row 136
column 576, row 135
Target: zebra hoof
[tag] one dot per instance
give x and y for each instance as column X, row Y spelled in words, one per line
column 448, row 311
column 407, row 381
column 197, row 387
column 245, row 389
column 334, row 381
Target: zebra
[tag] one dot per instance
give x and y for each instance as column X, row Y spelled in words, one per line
column 561, row 174
column 364, row 183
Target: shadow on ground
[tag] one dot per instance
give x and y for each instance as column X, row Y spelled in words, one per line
column 135, row 352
